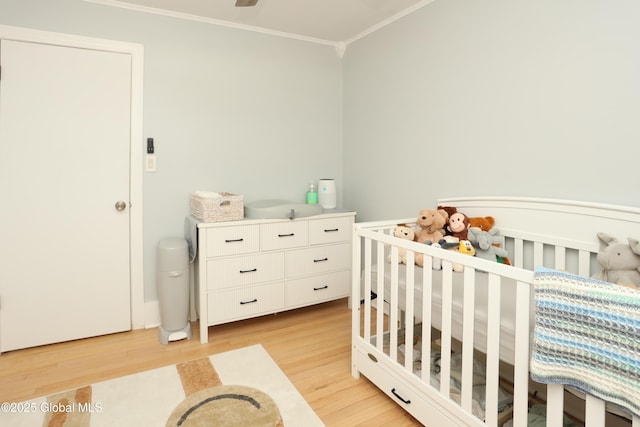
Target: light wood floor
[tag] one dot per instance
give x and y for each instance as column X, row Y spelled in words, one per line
column 311, row 345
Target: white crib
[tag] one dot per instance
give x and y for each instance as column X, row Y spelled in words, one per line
column 478, row 322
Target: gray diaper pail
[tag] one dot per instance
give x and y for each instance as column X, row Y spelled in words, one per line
column 172, row 266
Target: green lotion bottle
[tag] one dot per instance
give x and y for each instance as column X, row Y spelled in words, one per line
column 312, row 195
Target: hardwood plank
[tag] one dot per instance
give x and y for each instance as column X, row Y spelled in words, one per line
column 311, row 345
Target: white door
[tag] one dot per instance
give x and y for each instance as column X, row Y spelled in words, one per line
column 64, row 165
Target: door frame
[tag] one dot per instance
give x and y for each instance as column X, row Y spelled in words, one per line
column 136, row 51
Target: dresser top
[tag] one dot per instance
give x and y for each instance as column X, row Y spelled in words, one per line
column 328, row 213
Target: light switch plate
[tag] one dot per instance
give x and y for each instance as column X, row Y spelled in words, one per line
column 150, row 163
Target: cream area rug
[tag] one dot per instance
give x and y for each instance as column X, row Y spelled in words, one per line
column 243, row 387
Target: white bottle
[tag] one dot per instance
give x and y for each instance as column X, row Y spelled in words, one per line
column 327, row 193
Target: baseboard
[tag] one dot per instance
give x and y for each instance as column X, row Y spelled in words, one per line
column 151, row 314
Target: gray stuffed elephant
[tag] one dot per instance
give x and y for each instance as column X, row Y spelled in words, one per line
column 620, row 261
column 483, row 242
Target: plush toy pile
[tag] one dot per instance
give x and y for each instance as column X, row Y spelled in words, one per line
column 445, row 227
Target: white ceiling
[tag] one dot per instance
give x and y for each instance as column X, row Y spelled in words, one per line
column 323, row 21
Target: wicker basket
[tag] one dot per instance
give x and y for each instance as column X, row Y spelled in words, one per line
column 208, row 206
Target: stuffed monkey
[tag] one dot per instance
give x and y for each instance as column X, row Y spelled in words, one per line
column 459, row 225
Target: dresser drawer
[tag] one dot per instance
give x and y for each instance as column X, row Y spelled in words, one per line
column 318, row 260
column 246, row 270
column 245, row 302
column 398, row 389
column 331, row 230
column 236, row 240
column 284, row 235
column 314, row 289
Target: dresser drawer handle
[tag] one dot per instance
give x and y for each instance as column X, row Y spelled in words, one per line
column 331, row 230
column 321, row 288
column 233, row 240
column 249, row 302
column 406, row 402
column 248, row 271
column 286, row 235
column 321, row 260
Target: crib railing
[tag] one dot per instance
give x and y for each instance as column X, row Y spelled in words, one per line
column 561, row 254
column 382, row 324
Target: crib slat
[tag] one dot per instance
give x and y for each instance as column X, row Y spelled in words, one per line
column 467, row 338
column 367, row 290
column 380, row 300
column 409, row 298
column 355, row 295
column 518, row 250
column 538, row 254
column 427, row 281
column 445, row 336
column 584, row 263
column 493, row 351
column 594, row 412
column 393, row 309
column 521, row 356
column 560, row 262
column 555, row 405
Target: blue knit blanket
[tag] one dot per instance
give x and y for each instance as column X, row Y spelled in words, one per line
column 587, row 335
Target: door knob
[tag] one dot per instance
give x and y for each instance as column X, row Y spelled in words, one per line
column 120, row 205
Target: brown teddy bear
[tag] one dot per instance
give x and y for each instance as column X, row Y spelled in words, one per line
column 432, row 223
column 483, row 223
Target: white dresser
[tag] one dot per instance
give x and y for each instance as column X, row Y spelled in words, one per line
column 254, row 267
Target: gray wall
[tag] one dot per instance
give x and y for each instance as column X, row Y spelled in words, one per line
column 496, row 97
column 462, row 97
column 230, row 110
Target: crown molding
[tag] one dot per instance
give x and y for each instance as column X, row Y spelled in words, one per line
column 197, row 18
column 340, row 46
column 389, row 20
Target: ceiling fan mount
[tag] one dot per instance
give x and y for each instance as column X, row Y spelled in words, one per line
column 245, row 3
